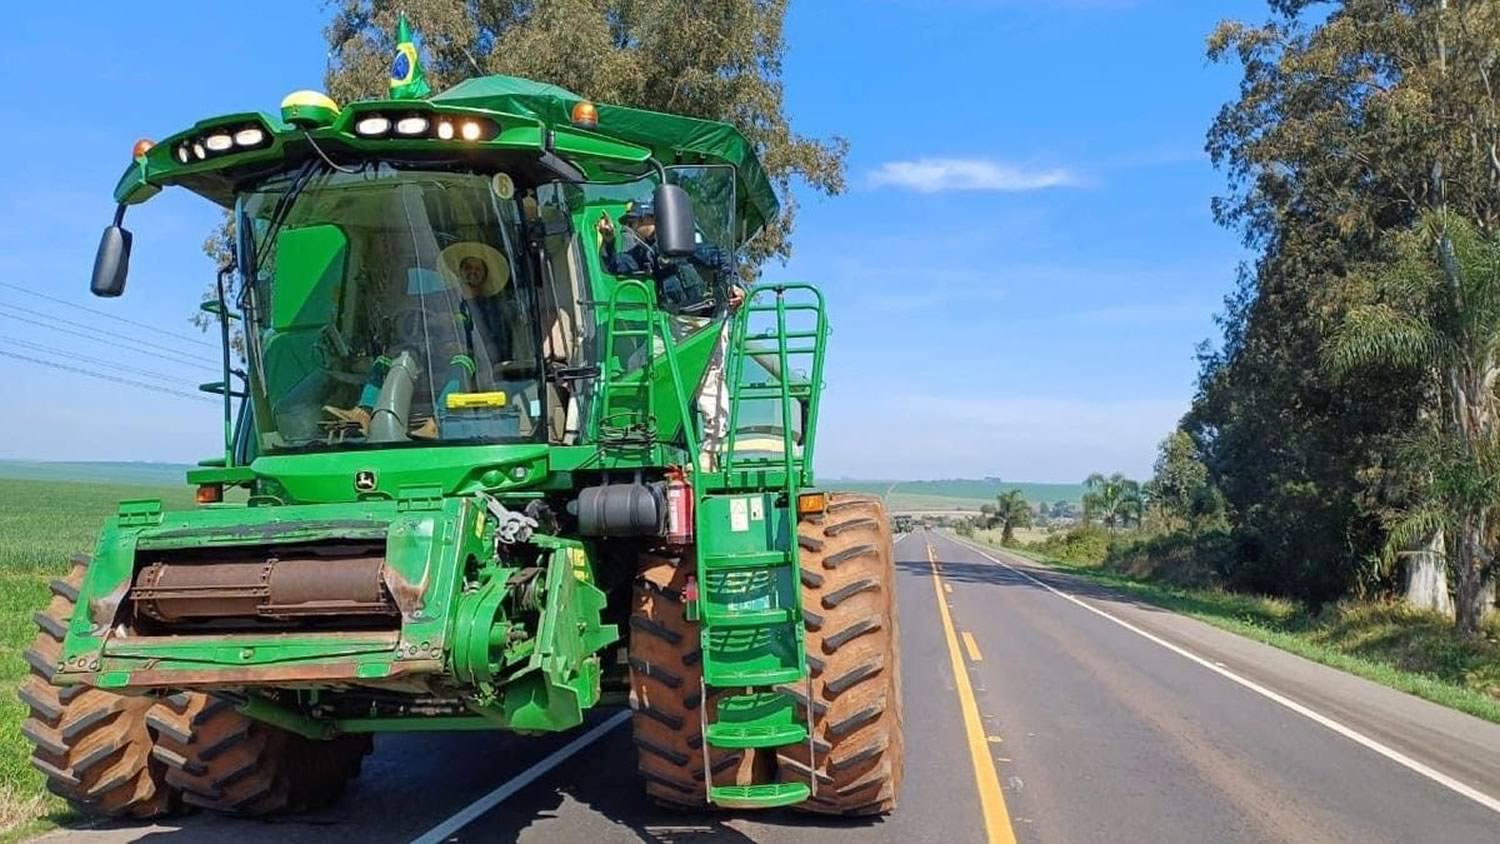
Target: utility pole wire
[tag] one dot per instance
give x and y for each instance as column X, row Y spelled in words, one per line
column 154, row 387
column 174, row 357
column 183, row 337
column 108, row 365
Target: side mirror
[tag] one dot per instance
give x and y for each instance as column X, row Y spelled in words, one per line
column 675, row 233
column 112, row 262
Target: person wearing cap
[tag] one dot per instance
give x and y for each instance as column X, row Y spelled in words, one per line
column 641, row 259
column 712, row 398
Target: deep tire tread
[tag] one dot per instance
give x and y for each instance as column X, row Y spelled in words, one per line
column 93, row 746
column 857, row 742
column 666, row 671
column 225, row 762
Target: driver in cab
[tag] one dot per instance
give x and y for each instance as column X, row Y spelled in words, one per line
column 479, row 273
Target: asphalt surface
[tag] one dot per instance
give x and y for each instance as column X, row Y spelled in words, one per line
column 1168, row 730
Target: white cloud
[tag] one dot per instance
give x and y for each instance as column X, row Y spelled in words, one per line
column 930, row 175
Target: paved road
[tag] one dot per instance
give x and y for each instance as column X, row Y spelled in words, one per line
column 1064, row 725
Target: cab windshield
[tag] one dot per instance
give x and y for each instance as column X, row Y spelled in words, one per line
column 390, row 306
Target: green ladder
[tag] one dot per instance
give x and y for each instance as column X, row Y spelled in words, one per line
column 749, row 584
column 625, row 397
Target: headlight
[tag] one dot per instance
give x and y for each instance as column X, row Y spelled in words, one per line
column 470, row 130
column 251, row 137
column 182, row 153
column 373, row 125
column 198, row 151
column 445, row 130
column 218, row 143
column 412, row 125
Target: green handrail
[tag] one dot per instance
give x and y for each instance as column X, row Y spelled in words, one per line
column 795, row 465
column 628, row 295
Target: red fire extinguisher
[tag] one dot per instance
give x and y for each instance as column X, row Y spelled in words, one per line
column 679, row 508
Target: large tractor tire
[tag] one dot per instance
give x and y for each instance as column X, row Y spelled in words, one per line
column 666, row 670
column 93, row 746
column 222, row 761
column 849, row 608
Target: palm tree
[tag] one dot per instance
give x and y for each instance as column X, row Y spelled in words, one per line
column 1439, row 315
column 1115, row 501
column 1011, row 511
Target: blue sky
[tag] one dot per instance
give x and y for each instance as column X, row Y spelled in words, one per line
column 1017, row 275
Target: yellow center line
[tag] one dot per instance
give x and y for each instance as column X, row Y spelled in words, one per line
column 991, row 800
column 972, row 647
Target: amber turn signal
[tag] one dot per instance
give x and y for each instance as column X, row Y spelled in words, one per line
column 210, row 493
column 812, row 503
column 141, row 147
column 585, row 115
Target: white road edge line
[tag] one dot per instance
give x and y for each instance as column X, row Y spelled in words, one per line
column 469, row 813
column 1350, row 733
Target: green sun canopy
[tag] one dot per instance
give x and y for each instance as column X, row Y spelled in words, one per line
column 673, row 139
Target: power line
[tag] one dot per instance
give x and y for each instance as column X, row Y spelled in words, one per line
column 38, row 347
column 182, row 337
column 103, row 377
column 175, row 357
column 104, row 331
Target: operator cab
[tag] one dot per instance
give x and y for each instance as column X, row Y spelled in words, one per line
column 392, row 304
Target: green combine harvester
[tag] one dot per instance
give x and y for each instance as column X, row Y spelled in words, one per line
column 497, row 453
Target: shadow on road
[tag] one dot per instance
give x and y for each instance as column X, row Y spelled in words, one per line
column 597, row 796
column 412, row 782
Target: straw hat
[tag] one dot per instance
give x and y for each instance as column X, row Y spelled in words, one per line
column 499, row 269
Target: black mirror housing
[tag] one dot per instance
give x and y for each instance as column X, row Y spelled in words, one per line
column 675, row 232
column 111, row 263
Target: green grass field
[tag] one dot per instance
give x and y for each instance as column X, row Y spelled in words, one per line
column 41, row 523
column 148, row 474
column 957, row 494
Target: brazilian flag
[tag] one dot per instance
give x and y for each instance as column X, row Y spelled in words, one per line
column 407, row 79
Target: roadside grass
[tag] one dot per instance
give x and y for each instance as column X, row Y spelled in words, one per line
column 41, row 524
column 1396, row 646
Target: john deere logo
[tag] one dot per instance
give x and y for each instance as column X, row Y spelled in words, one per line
column 364, row 480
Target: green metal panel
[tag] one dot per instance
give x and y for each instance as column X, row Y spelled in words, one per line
column 423, row 551
column 310, row 263
column 745, row 524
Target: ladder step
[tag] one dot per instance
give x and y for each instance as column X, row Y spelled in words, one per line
column 764, row 559
column 715, row 617
column 717, row 675
column 796, row 391
column 790, row 335
column 759, row 796
column 732, row 736
column 756, row 719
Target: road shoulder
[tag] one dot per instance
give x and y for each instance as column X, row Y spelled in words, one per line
column 1458, row 745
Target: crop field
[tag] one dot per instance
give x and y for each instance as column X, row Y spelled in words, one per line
column 41, row 523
